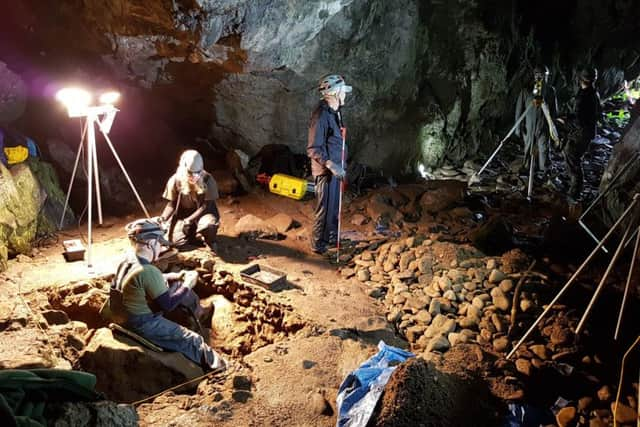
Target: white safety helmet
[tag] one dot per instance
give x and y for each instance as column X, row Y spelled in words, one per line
column 191, row 161
column 330, row 84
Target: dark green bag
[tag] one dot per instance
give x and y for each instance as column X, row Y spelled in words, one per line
column 113, row 309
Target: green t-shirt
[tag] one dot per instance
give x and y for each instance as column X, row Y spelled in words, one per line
column 149, row 282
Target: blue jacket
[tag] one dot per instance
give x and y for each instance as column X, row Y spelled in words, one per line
column 325, row 139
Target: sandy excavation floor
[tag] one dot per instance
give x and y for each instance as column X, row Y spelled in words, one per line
column 292, row 380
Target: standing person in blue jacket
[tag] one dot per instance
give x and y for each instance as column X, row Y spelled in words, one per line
column 324, row 148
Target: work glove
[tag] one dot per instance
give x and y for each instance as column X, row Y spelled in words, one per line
column 188, row 227
column 335, row 169
column 174, row 276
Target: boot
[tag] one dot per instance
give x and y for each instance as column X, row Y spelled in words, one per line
column 205, row 314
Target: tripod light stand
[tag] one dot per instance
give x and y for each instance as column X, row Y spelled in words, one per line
column 78, row 104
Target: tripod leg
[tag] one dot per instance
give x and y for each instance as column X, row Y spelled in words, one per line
column 124, row 171
column 531, row 164
column 615, row 257
column 572, row 278
column 513, row 129
column 627, row 286
column 73, row 175
column 91, row 143
column 97, row 178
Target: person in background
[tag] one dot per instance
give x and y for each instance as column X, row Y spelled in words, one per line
column 587, row 111
column 324, row 148
column 535, row 128
column 191, row 209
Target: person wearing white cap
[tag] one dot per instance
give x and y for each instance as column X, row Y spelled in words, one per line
column 191, row 209
column 324, row 148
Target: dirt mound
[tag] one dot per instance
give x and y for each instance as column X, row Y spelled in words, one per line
column 419, row 395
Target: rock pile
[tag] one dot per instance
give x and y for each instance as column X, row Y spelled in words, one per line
column 600, row 409
column 440, row 294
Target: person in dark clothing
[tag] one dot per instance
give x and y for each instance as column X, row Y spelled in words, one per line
column 587, row 110
column 191, row 195
column 536, row 128
column 324, row 148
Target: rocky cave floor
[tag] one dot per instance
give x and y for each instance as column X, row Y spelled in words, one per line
column 441, row 279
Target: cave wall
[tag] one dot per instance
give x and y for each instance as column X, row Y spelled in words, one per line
column 433, row 81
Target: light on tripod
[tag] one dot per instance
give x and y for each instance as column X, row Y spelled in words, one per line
column 79, row 104
column 76, row 100
column 109, row 98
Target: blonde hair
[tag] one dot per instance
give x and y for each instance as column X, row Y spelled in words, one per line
column 183, row 184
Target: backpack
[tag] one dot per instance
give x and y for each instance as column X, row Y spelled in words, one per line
column 113, row 309
column 3, row 157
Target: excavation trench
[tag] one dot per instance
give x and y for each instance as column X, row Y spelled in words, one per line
column 246, row 318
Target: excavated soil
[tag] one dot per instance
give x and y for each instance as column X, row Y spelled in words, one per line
column 420, row 395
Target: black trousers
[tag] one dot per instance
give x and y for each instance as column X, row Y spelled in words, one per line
column 577, row 145
column 325, row 226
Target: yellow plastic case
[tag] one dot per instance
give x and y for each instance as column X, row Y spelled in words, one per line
column 16, row 154
column 288, row 186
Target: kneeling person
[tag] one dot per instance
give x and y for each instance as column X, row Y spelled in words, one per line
column 138, row 280
column 191, row 194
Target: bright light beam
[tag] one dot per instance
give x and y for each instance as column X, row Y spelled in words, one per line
column 109, row 97
column 74, row 99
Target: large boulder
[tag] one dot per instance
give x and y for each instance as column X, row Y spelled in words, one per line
column 94, row 414
column 20, row 203
column 444, row 195
column 127, row 372
column 30, row 202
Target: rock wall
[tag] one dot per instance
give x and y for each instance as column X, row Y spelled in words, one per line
column 434, row 81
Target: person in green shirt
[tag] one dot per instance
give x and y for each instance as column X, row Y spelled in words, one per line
column 191, row 195
column 140, row 281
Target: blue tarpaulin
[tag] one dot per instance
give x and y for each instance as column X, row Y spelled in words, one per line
column 361, row 389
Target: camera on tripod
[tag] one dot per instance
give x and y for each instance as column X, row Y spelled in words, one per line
column 537, row 93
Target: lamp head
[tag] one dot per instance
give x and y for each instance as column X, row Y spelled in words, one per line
column 109, row 98
column 74, row 99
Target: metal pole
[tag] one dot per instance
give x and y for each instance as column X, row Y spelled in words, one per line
column 530, row 184
column 608, row 187
column 605, row 276
column 515, row 126
column 97, row 177
column 593, row 236
column 572, row 278
column 91, row 141
column 627, row 286
column 73, row 174
column 124, row 171
column 341, row 183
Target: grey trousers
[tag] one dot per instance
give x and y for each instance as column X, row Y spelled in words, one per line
column 540, row 151
column 171, row 336
column 207, row 227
